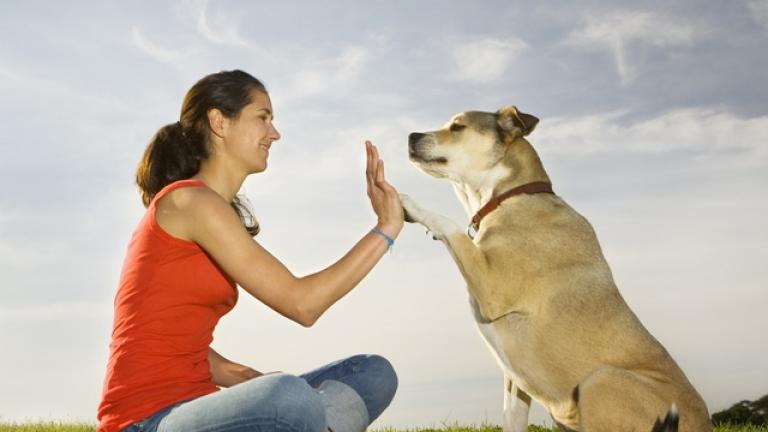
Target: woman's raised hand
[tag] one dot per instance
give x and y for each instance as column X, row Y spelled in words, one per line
column 384, row 198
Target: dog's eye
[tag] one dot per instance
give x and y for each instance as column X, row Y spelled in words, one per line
column 455, row 127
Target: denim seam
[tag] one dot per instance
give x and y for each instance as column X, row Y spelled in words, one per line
column 356, row 367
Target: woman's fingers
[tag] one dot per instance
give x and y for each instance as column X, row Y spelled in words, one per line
column 380, row 178
column 373, row 164
column 369, row 161
column 371, row 171
column 384, row 198
column 380, row 174
column 375, row 170
column 377, row 182
column 383, row 185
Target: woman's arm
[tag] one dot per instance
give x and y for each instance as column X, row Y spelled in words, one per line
column 226, row 373
column 216, row 227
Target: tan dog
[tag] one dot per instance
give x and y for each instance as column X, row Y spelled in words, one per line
column 541, row 291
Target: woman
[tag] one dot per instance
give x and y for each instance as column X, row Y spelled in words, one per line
column 178, row 279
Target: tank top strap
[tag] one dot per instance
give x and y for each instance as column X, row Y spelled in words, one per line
column 175, row 185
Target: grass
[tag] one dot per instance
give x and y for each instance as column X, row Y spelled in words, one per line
column 87, row 427
column 47, row 427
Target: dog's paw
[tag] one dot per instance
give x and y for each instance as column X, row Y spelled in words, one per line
column 413, row 212
column 436, row 237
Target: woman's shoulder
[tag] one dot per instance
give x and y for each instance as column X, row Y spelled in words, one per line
column 179, row 210
column 187, row 198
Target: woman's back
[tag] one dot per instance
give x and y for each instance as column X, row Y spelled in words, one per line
column 170, row 297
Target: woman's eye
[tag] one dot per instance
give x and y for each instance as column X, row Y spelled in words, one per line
column 455, row 127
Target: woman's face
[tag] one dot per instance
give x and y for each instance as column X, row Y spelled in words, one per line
column 250, row 136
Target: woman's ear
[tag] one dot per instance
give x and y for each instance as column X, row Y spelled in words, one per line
column 216, row 121
column 515, row 122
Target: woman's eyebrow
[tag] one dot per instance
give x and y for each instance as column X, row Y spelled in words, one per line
column 269, row 112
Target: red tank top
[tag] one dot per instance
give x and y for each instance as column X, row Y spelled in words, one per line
column 170, row 297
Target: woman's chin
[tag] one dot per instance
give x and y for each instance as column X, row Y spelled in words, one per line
column 261, row 168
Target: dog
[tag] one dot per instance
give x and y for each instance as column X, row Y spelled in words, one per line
column 540, row 289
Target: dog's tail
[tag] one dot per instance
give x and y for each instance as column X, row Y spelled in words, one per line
column 670, row 421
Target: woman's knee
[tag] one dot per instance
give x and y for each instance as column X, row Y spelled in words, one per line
column 384, row 372
column 298, row 406
column 380, row 383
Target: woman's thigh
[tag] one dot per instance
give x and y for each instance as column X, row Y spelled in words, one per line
column 371, row 376
column 274, row 402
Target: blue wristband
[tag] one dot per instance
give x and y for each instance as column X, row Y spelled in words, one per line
column 389, row 239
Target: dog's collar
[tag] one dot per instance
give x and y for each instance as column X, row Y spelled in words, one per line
column 528, row 188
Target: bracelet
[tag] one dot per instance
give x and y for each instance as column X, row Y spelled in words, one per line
column 389, row 239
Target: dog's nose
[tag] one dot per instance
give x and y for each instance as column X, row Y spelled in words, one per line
column 413, row 139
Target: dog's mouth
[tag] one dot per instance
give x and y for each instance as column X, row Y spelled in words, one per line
column 416, row 157
column 419, row 143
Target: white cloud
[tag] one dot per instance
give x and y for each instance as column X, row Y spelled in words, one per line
column 697, row 129
column 163, row 55
column 230, row 36
column 336, row 74
column 616, row 32
column 351, row 63
column 759, row 9
column 484, row 60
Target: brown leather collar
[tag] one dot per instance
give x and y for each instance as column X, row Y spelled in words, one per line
column 528, row 188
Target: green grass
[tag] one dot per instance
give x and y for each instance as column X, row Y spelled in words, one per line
column 86, row 427
column 47, row 427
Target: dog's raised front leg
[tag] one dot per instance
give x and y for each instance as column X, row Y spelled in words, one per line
column 471, row 261
column 439, row 225
column 517, row 403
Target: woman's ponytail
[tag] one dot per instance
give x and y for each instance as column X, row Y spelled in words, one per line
column 172, row 154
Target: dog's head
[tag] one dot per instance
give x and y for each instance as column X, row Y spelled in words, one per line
column 470, row 142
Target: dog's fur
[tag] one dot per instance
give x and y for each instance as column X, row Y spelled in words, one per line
column 541, row 291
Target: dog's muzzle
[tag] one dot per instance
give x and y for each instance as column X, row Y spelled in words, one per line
column 419, row 149
column 413, row 141
column 413, row 138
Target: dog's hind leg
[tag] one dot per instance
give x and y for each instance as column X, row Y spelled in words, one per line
column 614, row 399
column 517, row 403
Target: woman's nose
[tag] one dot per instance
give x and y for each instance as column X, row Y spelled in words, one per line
column 274, row 134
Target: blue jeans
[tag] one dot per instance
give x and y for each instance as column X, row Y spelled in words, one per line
column 286, row 403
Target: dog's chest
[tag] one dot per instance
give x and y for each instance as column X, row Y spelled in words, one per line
column 497, row 341
column 493, row 339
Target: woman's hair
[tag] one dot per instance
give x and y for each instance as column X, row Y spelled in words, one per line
column 177, row 149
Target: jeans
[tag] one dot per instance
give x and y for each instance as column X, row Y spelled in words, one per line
column 345, row 396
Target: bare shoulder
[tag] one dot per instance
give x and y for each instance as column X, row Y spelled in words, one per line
column 182, row 210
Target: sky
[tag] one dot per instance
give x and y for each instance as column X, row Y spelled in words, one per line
column 653, row 125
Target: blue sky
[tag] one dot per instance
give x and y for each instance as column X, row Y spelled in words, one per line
column 654, row 125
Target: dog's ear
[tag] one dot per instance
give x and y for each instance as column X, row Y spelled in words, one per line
column 516, row 122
